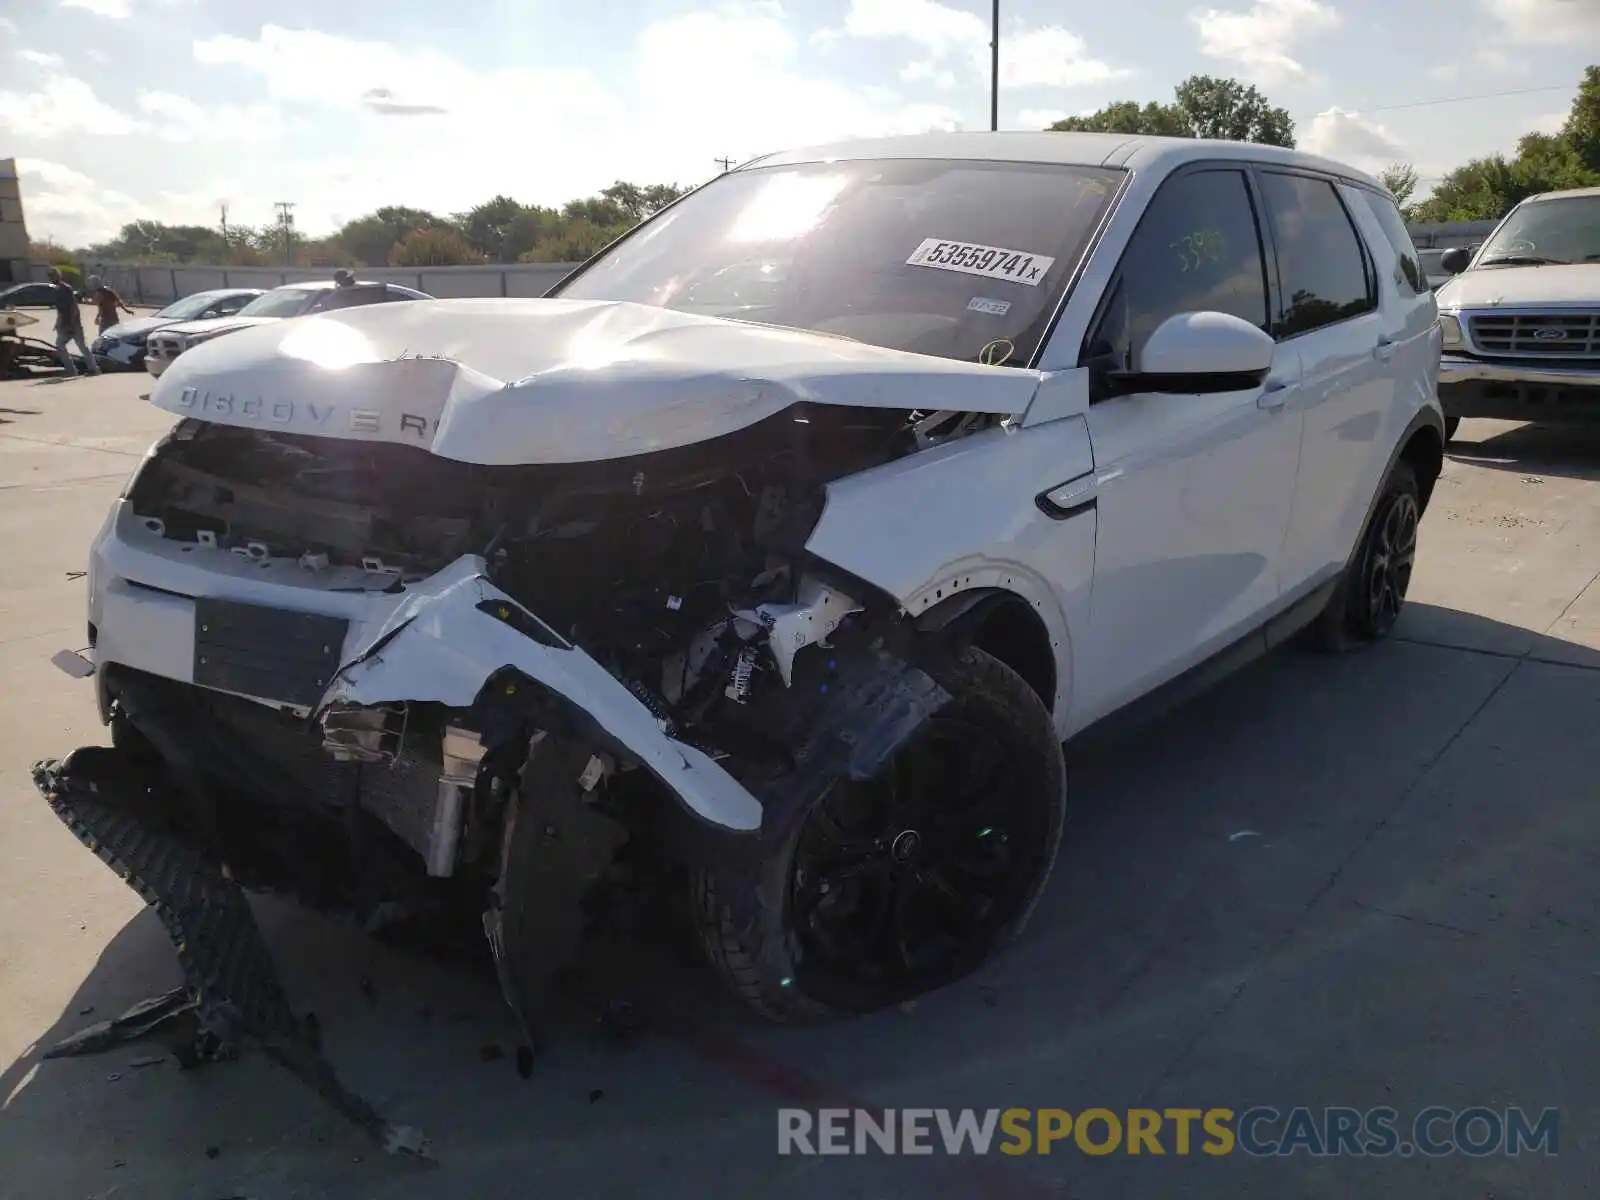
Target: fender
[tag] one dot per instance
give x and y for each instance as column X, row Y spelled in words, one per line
column 962, row 518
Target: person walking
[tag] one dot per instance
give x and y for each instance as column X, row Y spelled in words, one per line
column 69, row 325
column 106, row 303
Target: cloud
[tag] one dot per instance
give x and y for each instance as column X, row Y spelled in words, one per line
column 64, row 106
column 70, row 207
column 39, row 59
column 115, row 9
column 928, row 72
column 572, row 134
column 1550, row 122
column 180, row 119
column 1259, row 38
column 1049, row 56
column 1548, row 22
column 1349, row 137
column 1488, row 58
column 1040, row 118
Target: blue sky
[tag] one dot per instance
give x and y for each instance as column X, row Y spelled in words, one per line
column 122, row 109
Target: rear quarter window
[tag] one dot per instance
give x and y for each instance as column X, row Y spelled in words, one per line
column 1410, row 278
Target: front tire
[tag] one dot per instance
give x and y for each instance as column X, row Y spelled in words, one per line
column 887, row 890
column 1366, row 605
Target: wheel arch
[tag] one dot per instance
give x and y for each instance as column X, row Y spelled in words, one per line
column 1423, row 452
column 1005, row 625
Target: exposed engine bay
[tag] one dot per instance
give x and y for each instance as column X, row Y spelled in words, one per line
column 682, row 573
column 427, row 693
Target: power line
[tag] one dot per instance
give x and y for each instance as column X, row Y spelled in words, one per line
column 1362, row 108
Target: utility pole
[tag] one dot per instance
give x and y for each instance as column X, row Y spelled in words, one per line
column 994, row 72
column 286, row 223
column 725, row 163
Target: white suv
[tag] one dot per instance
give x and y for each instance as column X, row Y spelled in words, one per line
column 775, row 554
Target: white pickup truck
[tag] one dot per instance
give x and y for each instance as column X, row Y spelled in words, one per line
column 1521, row 317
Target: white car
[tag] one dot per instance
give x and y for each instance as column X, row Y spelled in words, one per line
column 495, row 598
column 1521, row 316
column 279, row 304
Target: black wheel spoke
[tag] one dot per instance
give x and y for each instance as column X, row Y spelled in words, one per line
column 907, row 877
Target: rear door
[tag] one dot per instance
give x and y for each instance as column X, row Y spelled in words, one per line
column 1330, row 314
column 1193, row 491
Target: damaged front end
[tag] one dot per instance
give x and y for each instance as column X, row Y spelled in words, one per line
column 406, row 689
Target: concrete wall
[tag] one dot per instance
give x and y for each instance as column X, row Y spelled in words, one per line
column 13, row 230
column 162, row 285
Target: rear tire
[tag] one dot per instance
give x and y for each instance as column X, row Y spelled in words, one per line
column 891, row 889
column 1367, row 602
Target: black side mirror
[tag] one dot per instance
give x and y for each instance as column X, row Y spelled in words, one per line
column 1455, row 260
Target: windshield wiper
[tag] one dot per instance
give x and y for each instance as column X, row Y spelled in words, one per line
column 1522, row 260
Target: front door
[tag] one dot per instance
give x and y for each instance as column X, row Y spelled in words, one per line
column 1193, row 491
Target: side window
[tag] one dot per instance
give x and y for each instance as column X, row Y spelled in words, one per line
column 1411, row 279
column 353, row 297
column 1196, row 249
column 1321, row 265
column 230, row 305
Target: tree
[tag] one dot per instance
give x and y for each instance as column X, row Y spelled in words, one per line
column 1125, row 116
column 1582, row 128
column 490, row 226
column 371, row 238
column 1485, row 189
column 437, row 247
column 1401, row 180
column 1203, row 106
column 1233, row 111
column 50, row 252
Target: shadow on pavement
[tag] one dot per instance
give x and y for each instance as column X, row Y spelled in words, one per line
column 1565, row 450
column 1266, row 896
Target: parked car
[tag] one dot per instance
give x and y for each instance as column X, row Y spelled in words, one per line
column 27, row 295
column 123, row 345
column 1521, row 317
column 784, row 616
column 281, row 303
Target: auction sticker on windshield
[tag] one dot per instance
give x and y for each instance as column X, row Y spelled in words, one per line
column 991, row 262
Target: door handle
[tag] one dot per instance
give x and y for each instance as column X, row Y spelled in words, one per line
column 1385, row 350
column 1273, row 396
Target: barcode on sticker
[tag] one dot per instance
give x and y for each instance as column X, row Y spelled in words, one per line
column 991, row 262
column 995, row 308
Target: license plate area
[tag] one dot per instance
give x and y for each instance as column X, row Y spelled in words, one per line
column 272, row 653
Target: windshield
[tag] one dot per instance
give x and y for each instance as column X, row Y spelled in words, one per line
column 959, row 259
column 189, row 307
column 280, row 302
column 1561, row 231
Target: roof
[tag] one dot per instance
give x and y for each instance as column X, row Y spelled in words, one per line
column 1127, row 151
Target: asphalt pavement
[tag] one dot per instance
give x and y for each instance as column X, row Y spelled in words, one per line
column 1333, row 882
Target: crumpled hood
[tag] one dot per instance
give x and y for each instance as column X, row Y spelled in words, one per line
column 137, row 325
column 504, row 382
column 1558, row 285
column 219, row 325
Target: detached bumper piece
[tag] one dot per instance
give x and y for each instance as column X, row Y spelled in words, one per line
column 231, row 996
